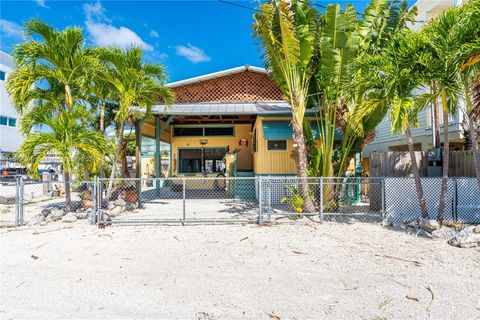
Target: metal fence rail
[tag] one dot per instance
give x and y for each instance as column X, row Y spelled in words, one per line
column 221, row 199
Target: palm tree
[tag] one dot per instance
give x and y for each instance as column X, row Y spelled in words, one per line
column 381, row 20
column 287, row 33
column 137, row 86
column 450, row 35
column 58, row 55
column 390, row 79
column 65, row 135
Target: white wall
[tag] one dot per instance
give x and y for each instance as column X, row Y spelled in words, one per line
column 10, row 137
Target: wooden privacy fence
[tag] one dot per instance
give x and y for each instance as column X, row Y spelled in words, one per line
column 398, row 164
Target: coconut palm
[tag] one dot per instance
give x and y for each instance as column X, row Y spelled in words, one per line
column 137, row 86
column 452, row 37
column 57, row 55
column 390, row 79
column 64, row 134
column 287, row 33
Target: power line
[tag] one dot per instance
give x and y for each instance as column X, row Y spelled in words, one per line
column 302, row 1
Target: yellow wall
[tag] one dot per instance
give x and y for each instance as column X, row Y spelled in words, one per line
column 272, row 162
column 244, row 157
column 148, row 129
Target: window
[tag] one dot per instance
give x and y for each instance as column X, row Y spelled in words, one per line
column 277, row 145
column 201, row 160
column 187, row 131
column 12, row 122
column 190, row 160
column 218, row 131
column 2, row 76
column 202, row 131
column 3, row 120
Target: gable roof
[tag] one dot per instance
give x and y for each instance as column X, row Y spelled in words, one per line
column 217, row 74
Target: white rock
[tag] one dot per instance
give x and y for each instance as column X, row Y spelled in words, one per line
column 444, row 233
column 120, row 202
column 386, row 223
column 429, row 225
column 36, row 219
column 467, row 238
column 82, row 214
column 46, row 211
column 116, row 211
column 69, row 217
column 56, row 214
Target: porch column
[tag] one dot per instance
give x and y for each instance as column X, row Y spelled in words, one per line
column 138, row 155
column 158, row 164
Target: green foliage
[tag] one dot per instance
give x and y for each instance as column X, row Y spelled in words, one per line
column 295, row 200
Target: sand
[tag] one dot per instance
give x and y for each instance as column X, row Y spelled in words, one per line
column 293, row 271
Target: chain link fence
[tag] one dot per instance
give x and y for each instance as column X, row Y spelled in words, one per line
column 260, row 199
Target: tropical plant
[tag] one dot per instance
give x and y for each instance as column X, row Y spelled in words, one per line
column 287, row 33
column 65, row 135
column 390, row 79
column 58, row 56
column 137, row 86
column 295, row 200
column 452, row 39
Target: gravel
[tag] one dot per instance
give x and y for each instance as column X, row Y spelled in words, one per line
column 305, row 270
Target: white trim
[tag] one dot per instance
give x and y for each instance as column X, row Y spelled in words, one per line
column 217, row 75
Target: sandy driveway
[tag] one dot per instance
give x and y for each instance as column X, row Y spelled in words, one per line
column 234, row 272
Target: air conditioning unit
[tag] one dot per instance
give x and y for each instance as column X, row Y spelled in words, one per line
column 434, row 154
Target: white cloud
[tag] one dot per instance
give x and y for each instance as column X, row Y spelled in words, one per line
column 94, row 11
column 10, row 29
column 154, row 34
column 103, row 33
column 41, row 3
column 192, row 53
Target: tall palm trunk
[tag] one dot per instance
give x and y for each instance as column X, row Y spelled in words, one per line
column 446, row 154
column 301, row 163
column 117, row 158
column 436, row 118
column 102, row 131
column 68, row 96
column 473, row 135
column 416, row 174
column 68, row 197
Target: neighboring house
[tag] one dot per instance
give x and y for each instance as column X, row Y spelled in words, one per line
column 423, row 135
column 233, row 122
column 10, row 136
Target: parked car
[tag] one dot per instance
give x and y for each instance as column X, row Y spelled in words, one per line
column 8, row 174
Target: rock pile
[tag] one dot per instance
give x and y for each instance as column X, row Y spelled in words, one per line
column 459, row 236
column 52, row 214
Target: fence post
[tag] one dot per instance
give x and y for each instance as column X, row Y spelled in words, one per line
column 454, row 207
column 93, row 215
column 383, row 196
column 21, row 187
column 17, row 201
column 269, row 199
column 99, row 211
column 321, row 200
column 183, row 200
column 260, row 210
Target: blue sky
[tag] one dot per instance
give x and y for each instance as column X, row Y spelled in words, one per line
column 189, row 37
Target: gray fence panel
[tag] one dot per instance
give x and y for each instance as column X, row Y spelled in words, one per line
column 468, row 200
column 402, row 202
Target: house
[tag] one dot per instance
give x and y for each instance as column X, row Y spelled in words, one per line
column 10, row 136
column 423, row 136
column 232, row 122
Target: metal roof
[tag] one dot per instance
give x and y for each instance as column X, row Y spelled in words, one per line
column 229, row 108
column 216, row 75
